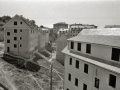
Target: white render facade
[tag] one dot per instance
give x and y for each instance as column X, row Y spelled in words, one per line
column 90, row 65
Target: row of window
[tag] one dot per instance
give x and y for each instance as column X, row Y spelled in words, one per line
column 76, row 28
column 77, row 65
column 15, row 38
column 15, row 31
column 112, row 78
column 88, row 47
column 114, row 56
column 84, row 85
column 75, row 31
column 15, row 22
column 15, row 45
column 112, row 81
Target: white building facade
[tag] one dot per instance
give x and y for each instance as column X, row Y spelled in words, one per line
column 22, row 37
column 92, row 61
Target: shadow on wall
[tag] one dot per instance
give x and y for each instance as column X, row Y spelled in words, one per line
column 1, row 36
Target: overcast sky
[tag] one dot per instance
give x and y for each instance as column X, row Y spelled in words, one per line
column 48, row 12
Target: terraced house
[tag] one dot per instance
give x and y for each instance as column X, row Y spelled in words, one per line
column 22, row 36
column 92, row 60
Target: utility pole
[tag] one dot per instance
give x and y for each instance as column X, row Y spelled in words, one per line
column 51, row 77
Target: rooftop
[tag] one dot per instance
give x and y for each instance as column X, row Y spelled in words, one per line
column 110, row 37
column 81, row 24
column 103, row 31
column 112, row 26
column 61, row 23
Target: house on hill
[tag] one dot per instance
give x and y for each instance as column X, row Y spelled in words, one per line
column 22, row 37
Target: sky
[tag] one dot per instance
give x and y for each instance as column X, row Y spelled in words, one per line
column 49, row 12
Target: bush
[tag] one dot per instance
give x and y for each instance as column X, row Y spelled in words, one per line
column 21, row 64
column 49, row 47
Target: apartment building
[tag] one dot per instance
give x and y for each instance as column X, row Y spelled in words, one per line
column 21, row 36
column 77, row 28
column 45, row 34
column 61, row 42
column 63, row 31
column 92, row 60
column 59, row 25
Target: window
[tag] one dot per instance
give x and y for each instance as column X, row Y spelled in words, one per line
column 85, row 68
column 15, row 38
column 15, row 22
column 69, row 77
column 67, row 89
column 20, row 38
column 76, row 82
column 79, row 47
column 112, row 80
column 97, row 83
column 72, row 45
column 8, row 41
column 20, row 22
column 15, row 45
column 20, row 45
column 70, row 61
column 20, row 30
column 77, row 64
column 115, row 54
column 8, row 33
column 88, row 48
column 15, row 30
column 84, row 87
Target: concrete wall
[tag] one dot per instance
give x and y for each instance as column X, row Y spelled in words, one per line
column 61, row 44
column 24, row 41
column 99, row 51
column 88, row 79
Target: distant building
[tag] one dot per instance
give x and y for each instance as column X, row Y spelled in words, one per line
column 61, row 44
column 58, row 26
column 77, row 28
column 63, row 31
column 112, row 26
column 22, row 37
column 92, row 60
column 63, row 35
column 45, row 33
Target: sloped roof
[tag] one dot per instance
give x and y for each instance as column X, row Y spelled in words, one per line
column 109, row 37
column 98, row 39
column 104, row 31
